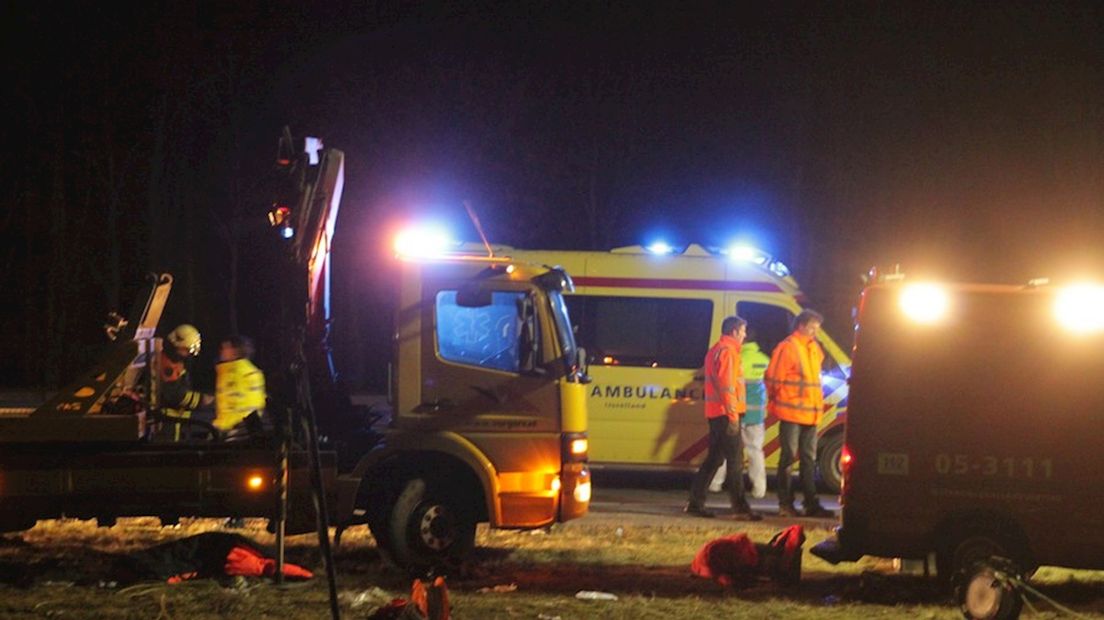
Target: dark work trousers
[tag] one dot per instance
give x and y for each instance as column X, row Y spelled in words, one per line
column 725, row 445
column 793, row 436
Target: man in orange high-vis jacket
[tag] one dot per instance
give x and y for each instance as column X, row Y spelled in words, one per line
column 795, row 397
column 725, row 402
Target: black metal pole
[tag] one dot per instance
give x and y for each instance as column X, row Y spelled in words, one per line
column 282, row 492
column 318, row 488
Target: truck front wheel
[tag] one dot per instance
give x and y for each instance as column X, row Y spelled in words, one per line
column 431, row 527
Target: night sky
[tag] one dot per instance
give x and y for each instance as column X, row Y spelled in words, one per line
column 961, row 140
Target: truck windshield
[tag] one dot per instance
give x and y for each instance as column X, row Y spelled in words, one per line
column 564, row 333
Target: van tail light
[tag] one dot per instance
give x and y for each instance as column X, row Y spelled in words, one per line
column 845, row 466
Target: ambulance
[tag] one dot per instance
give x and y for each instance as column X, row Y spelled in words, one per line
column 646, row 316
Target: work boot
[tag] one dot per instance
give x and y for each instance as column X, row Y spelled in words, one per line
column 819, row 512
column 787, row 510
column 699, row 511
column 745, row 513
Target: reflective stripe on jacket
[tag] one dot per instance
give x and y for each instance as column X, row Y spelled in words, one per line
column 794, row 392
column 176, row 393
column 754, row 363
column 724, row 380
column 239, row 391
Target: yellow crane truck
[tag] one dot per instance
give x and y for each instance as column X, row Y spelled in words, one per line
column 488, row 422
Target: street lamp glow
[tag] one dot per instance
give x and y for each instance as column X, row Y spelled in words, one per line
column 1080, row 308
column 925, row 303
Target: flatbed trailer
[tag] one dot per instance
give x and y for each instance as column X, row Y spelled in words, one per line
column 90, row 450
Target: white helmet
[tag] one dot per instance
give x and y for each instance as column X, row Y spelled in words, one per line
column 185, row 337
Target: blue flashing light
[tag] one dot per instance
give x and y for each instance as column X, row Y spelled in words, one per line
column 660, row 247
column 750, row 254
column 747, row 253
column 287, row 232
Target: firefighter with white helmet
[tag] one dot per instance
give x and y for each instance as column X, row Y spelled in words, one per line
column 178, row 399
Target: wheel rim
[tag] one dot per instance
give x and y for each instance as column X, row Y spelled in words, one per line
column 837, row 470
column 436, row 527
column 983, row 596
column 976, row 549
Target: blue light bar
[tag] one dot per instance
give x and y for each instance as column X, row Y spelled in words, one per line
column 660, row 247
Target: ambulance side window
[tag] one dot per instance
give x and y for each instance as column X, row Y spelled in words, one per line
column 642, row 331
column 767, row 325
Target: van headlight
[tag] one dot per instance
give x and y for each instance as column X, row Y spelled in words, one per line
column 1079, row 308
column 925, row 303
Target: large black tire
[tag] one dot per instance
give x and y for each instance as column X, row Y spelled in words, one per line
column 973, row 542
column 828, row 461
column 432, row 527
column 379, row 522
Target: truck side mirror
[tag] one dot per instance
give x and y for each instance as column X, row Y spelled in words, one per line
column 581, row 365
column 528, row 345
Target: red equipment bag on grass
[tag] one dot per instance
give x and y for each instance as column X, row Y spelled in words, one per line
column 780, row 559
column 428, row 601
column 735, row 560
column 729, row 560
column 216, row 555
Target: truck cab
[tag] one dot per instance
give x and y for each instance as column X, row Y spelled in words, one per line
column 489, row 416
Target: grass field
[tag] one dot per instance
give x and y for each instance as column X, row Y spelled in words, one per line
column 55, row 570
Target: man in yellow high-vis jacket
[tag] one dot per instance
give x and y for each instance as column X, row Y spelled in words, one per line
column 239, row 385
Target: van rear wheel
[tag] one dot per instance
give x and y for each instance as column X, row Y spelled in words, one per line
column 971, row 544
column 828, row 462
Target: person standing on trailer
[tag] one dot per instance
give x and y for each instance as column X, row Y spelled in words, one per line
column 178, row 399
column 796, row 398
column 239, row 390
column 725, row 403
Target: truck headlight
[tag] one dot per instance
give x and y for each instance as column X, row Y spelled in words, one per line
column 582, row 492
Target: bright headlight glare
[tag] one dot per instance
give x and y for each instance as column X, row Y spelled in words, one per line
column 579, row 446
column 582, row 492
column 1080, row 308
column 422, row 242
column 925, row 303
